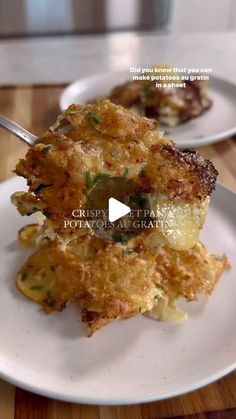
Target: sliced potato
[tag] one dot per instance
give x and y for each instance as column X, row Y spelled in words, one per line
column 51, row 277
column 167, row 312
column 180, row 222
column 27, row 203
column 28, row 235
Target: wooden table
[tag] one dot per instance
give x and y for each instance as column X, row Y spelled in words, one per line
column 36, row 108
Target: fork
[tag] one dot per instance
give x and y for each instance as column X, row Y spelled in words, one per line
column 18, row 131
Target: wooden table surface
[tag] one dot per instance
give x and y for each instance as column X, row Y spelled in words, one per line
column 36, row 108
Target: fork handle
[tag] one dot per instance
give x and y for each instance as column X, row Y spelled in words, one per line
column 18, row 131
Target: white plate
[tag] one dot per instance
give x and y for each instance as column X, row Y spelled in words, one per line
column 214, row 125
column 125, row 362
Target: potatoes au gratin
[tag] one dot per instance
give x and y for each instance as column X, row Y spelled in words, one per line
column 119, row 280
column 170, row 105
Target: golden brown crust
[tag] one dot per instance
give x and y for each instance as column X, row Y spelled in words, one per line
column 111, row 281
column 124, row 281
column 115, row 281
column 127, row 94
column 106, row 138
column 108, row 120
column 51, row 277
column 182, row 174
column 93, row 321
column 119, row 282
column 190, row 272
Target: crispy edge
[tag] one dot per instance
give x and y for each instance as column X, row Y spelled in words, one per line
column 203, row 172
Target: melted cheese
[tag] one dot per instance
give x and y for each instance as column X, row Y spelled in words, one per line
column 179, row 223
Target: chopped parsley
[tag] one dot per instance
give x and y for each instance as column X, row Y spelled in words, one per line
column 91, row 182
column 113, row 154
column 128, row 251
column 91, row 201
column 94, row 118
column 24, row 276
column 74, row 111
column 126, row 172
column 46, row 149
column 42, row 186
column 37, row 287
column 101, row 176
column 88, row 179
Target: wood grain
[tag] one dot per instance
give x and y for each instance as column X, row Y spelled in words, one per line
column 7, row 400
column 36, row 108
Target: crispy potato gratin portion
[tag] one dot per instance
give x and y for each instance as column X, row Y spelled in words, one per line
column 171, row 106
column 114, row 280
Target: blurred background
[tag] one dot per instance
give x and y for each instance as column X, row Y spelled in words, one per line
column 60, row 17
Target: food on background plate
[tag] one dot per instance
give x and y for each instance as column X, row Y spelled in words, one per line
column 171, row 106
column 114, row 280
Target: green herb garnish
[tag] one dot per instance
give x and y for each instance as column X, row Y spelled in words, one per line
column 88, row 180
column 46, row 149
column 128, row 251
column 24, row 276
column 101, row 176
column 93, row 117
column 37, row 287
column 113, row 154
column 91, row 182
column 73, row 111
column 126, row 172
column 42, row 186
column 91, row 201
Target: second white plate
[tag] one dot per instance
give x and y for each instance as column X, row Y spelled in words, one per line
column 214, row 125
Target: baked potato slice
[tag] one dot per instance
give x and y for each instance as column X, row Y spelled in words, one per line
column 51, row 277
column 28, row 235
